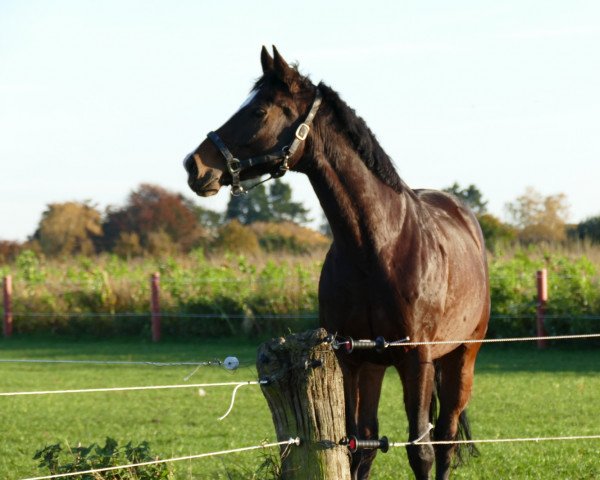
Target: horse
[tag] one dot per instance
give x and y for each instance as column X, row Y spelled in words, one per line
column 403, row 262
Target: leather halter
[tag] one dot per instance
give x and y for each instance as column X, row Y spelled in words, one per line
column 279, row 159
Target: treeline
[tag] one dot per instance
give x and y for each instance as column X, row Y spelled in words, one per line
column 157, row 222
column 534, row 219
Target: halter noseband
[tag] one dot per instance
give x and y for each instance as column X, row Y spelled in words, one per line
column 236, row 166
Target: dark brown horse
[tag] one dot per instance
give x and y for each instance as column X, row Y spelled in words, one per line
column 403, row 262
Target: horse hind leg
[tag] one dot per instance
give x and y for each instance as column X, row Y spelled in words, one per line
column 417, row 374
column 454, row 374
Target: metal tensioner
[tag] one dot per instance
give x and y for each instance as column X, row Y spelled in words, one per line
column 354, row 444
column 349, row 344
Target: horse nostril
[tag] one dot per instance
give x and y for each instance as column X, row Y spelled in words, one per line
column 190, row 165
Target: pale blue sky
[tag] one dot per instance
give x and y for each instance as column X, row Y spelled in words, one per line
column 97, row 97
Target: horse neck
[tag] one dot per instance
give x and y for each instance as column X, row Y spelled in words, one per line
column 364, row 213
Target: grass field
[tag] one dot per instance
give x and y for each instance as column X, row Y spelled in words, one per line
column 519, row 392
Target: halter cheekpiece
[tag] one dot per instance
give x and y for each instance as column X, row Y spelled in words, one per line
column 278, row 159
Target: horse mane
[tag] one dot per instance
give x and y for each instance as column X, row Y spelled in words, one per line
column 354, row 127
column 363, row 140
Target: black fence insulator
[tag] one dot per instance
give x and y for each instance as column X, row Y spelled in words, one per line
column 354, row 444
column 379, row 344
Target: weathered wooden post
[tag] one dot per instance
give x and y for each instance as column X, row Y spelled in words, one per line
column 155, row 305
column 7, row 298
column 306, row 396
column 542, row 297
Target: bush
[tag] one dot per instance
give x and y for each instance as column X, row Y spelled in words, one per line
column 289, row 237
column 573, row 290
column 59, row 461
column 236, row 238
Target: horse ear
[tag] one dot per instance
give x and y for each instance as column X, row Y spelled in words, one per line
column 266, row 60
column 286, row 74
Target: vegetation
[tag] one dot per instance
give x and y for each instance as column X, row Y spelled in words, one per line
column 539, row 218
column 510, row 386
column 231, row 294
column 68, row 228
column 59, row 460
column 156, row 222
column 262, row 205
column 470, row 196
column 588, row 230
column 573, row 290
column 256, row 270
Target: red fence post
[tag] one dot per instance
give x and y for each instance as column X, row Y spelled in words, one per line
column 542, row 294
column 155, row 305
column 8, row 317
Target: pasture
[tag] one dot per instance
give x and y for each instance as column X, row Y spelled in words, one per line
column 519, row 392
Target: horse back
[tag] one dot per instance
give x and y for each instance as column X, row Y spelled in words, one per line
column 454, row 210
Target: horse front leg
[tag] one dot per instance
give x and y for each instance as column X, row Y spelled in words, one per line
column 370, row 381
column 350, row 376
column 362, row 389
column 417, row 375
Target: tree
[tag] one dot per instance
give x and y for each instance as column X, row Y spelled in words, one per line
column 250, row 207
column 282, row 207
column 153, row 213
column 495, row 232
column 9, row 250
column 69, row 228
column 325, row 227
column 471, row 196
column 539, row 218
column 208, row 218
column 128, row 245
column 260, row 205
column 589, row 229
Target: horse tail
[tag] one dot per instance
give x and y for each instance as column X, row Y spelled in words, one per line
column 465, row 450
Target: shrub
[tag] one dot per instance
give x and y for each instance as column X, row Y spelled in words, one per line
column 288, row 237
column 60, row 461
column 236, row 238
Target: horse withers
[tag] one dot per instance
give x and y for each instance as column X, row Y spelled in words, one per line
column 403, row 262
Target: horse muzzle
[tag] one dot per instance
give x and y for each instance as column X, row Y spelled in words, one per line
column 204, row 186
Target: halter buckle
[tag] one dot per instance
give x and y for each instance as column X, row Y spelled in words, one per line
column 234, row 166
column 302, row 131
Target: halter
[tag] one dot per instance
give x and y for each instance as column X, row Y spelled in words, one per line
column 279, row 159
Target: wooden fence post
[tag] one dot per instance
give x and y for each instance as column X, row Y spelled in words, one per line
column 8, row 316
column 155, row 305
column 306, row 396
column 542, row 297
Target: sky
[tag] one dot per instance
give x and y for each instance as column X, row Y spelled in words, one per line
column 99, row 97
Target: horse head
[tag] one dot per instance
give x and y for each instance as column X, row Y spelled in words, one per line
column 265, row 136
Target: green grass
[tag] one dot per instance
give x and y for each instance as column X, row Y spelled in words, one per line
column 519, row 392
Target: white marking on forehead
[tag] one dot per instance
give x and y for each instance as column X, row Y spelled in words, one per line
column 253, row 94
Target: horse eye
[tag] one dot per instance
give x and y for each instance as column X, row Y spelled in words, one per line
column 287, row 111
column 260, row 112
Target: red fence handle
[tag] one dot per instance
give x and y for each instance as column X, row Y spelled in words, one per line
column 542, row 294
column 155, row 305
column 7, row 298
